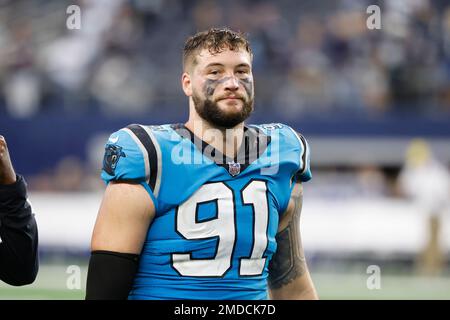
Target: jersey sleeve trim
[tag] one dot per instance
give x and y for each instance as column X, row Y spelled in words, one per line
column 151, row 151
column 304, row 153
column 304, row 156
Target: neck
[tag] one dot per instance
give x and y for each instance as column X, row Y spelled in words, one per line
column 227, row 141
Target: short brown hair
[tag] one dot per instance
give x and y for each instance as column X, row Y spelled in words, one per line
column 215, row 40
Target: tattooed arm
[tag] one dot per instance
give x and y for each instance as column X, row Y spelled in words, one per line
column 289, row 277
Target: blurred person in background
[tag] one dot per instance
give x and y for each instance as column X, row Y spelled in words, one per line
column 322, row 50
column 426, row 181
column 18, row 229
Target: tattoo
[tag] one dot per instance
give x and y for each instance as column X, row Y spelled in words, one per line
column 289, row 262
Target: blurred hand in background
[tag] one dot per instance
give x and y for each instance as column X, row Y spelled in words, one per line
column 7, row 174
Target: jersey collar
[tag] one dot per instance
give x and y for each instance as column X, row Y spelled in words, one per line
column 254, row 143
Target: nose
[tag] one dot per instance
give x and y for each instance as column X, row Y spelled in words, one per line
column 231, row 83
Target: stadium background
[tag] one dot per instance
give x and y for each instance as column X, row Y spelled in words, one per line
column 358, row 95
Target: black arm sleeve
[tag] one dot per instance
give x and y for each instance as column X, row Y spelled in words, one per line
column 19, row 236
column 110, row 275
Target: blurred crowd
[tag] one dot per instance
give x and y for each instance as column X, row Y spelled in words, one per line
column 311, row 57
column 314, row 58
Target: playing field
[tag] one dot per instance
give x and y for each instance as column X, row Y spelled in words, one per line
column 56, row 281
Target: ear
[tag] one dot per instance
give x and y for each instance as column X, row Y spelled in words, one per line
column 186, row 84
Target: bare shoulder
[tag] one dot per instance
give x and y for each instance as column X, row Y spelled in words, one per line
column 127, row 200
column 123, row 219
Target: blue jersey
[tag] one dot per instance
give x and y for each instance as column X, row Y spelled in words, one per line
column 213, row 233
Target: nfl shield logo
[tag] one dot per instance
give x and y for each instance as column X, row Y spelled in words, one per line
column 234, row 168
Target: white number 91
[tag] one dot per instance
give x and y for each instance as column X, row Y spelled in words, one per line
column 222, row 226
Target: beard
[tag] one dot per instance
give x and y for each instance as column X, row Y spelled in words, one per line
column 210, row 111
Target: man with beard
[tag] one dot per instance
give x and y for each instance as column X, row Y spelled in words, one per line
column 208, row 209
column 18, row 230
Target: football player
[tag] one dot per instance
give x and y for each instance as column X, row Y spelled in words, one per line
column 208, row 209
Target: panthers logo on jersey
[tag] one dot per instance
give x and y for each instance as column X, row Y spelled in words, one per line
column 111, row 158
